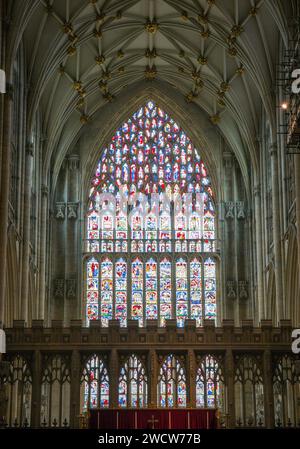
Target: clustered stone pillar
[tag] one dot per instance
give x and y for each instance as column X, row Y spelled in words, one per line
column 4, row 195
column 259, row 257
column 26, row 232
column 276, row 232
column 297, row 185
column 42, row 284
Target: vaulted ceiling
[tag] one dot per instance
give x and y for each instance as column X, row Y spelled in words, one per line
column 220, row 55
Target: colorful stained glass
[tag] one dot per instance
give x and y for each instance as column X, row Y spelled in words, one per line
column 95, row 384
column 137, row 282
column 196, row 290
column 209, row 384
column 121, row 291
column 165, row 291
column 172, row 384
column 92, row 302
column 106, row 291
column 210, row 288
column 150, row 154
column 181, row 292
column 133, row 384
column 151, row 289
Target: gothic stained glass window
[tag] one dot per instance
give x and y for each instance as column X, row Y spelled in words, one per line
column 181, row 291
column 92, row 289
column 196, row 290
column 210, row 389
column 150, row 198
column 172, row 383
column 106, row 291
column 94, row 384
column 137, row 276
column 121, row 291
column 151, row 289
column 165, row 291
column 133, row 384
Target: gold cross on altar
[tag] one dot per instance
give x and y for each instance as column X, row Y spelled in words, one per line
column 153, row 421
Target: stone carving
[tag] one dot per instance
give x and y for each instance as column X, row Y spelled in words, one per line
column 243, row 290
column 73, row 162
column 229, row 209
column 59, row 288
column 240, row 208
column 71, row 288
column 72, row 210
column 60, row 211
column 231, row 289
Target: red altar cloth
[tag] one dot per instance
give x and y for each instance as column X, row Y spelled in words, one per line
column 153, row 419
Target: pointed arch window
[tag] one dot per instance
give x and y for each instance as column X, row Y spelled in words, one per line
column 150, row 204
column 172, row 383
column 210, row 388
column 94, row 383
column 133, row 385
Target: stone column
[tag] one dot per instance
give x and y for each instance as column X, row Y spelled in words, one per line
column 36, row 389
column 153, row 376
column 229, row 382
column 259, row 256
column 75, row 390
column 276, row 232
column 72, row 240
column 26, row 232
column 43, row 246
column 268, row 390
column 297, row 187
column 114, row 378
column 4, row 194
column 191, row 379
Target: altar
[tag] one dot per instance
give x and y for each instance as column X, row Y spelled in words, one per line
column 167, row 419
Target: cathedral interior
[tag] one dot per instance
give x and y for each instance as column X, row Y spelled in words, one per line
column 149, row 209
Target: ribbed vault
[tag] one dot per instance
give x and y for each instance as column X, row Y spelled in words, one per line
column 218, row 54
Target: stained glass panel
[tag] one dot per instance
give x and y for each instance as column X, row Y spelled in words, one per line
column 158, row 200
column 181, row 292
column 106, row 291
column 121, row 291
column 165, row 291
column 171, row 384
column 137, row 281
column 210, row 288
